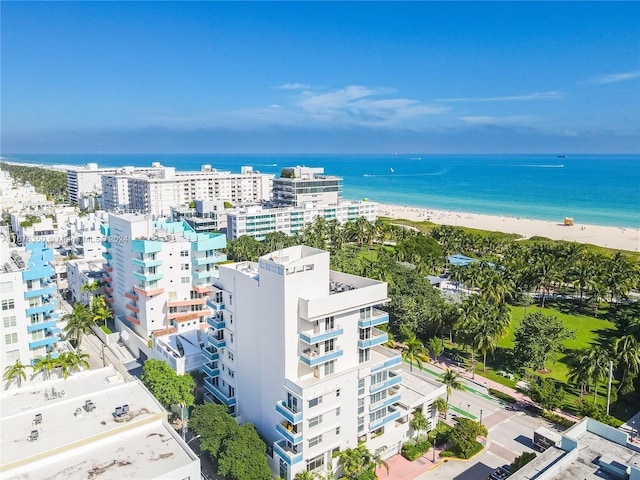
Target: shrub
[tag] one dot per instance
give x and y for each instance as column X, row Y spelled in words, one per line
column 502, row 396
column 447, row 453
column 412, row 449
column 440, row 435
column 105, row 329
column 521, row 461
column 470, row 451
column 558, row 419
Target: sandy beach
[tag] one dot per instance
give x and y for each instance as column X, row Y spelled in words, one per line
column 611, row 237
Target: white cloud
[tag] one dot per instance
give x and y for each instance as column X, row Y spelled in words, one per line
column 551, row 95
column 617, row 77
column 275, row 106
column 491, row 120
column 294, row 86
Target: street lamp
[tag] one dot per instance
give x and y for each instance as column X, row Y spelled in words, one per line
column 480, row 416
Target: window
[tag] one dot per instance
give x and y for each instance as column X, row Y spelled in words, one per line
column 173, row 309
column 231, row 337
column 315, row 402
column 337, row 392
column 361, row 387
column 329, row 345
column 376, row 397
column 329, row 367
column 186, row 280
column 315, row 463
column 11, row 338
column 363, row 355
column 184, row 253
column 360, row 424
column 337, row 431
column 315, row 421
column 377, row 415
column 9, row 321
column 184, row 266
column 8, row 304
column 313, row 441
column 360, row 406
column 232, row 374
column 329, row 323
column 229, row 355
column 13, row 355
column 379, row 377
column 6, row 287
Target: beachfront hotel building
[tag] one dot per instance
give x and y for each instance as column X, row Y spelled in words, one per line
column 27, row 303
column 157, row 278
column 257, row 221
column 92, row 425
column 295, row 348
column 306, row 184
column 85, row 180
column 156, row 190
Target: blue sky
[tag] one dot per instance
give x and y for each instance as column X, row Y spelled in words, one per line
column 419, row 77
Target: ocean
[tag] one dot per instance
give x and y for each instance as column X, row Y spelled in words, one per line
column 593, row 189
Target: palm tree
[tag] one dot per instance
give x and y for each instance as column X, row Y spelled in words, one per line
column 17, row 371
column 45, row 364
column 579, row 370
column 452, row 381
column 626, row 350
column 598, row 360
column 441, row 406
column 69, row 362
column 101, row 313
column 414, row 351
column 79, row 322
column 305, row 475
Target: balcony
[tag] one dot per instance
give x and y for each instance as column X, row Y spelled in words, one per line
column 106, row 244
column 185, row 316
column 47, row 307
column 108, row 289
column 288, row 431
column 217, row 342
column 212, row 259
column 133, row 308
column 378, row 317
column 186, row 303
column 148, row 277
column 393, row 361
column 287, row 454
column 314, row 357
column 107, row 268
column 216, row 322
column 316, row 336
column 215, row 391
column 133, row 319
column 215, row 304
column 394, row 379
column 109, row 299
column 38, row 292
column 107, row 255
column 394, row 398
column 106, row 278
column 41, row 326
column 147, row 262
column 146, row 246
column 202, row 288
column 209, row 354
column 147, row 291
column 200, row 274
column 378, row 337
column 286, row 412
column 394, row 415
column 43, row 342
column 132, row 296
column 209, row 369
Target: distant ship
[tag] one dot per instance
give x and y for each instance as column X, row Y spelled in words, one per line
column 391, row 170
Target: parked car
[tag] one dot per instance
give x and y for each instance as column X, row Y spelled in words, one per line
column 500, row 473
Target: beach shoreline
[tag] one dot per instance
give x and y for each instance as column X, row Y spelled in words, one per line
column 620, row 238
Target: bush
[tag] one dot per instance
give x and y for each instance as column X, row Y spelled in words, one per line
column 441, row 434
column 105, row 329
column 558, row 419
column 447, row 453
column 521, row 461
column 412, row 449
column 502, row 396
column 470, row 451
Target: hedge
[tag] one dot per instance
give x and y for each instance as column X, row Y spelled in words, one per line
column 412, row 449
column 502, row 396
column 558, row 419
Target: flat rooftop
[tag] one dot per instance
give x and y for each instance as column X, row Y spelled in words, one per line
column 75, row 442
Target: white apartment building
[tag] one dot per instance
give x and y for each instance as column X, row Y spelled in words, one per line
column 83, row 272
column 205, row 216
column 257, row 221
column 294, row 348
column 85, row 180
column 28, row 328
column 157, row 276
column 160, row 188
column 306, row 185
column 82, row 434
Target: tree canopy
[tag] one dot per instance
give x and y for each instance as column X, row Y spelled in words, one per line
column 538, row 338
column 166, row 385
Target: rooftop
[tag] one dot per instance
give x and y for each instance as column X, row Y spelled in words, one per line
column 74, row 441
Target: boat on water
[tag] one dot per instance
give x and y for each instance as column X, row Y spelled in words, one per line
column 391, row 170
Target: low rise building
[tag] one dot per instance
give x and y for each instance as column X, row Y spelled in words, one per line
column 91, row 425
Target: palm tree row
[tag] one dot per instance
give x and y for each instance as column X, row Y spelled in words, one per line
column 66, row 363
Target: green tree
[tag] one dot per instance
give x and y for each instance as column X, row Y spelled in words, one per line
column 359, row 464
column 626, row 350
column 414, row 351
column 521, row 460
column 214, row 425
column 464, row 435
column 70, row 362
column 441, row 406
column 101, row 312
column 419, row 422
column 45, row 365
column 243, row 456
column 305, row 475
column 451, row 380
column 547, row 393
column 79, row 323
column 168, row 387
column 435, row 346
column 15, row 371
column 538, row 338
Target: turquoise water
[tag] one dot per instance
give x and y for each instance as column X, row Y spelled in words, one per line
column 593, row 189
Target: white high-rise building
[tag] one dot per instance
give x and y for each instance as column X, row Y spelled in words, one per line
column 158, row 189
column 27, row 302
column 157, row 276
column 304, row 185
column 294, row 348
column 85, row 180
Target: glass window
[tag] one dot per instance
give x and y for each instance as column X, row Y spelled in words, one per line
column 8, row 304
column 315, row 401
column 313, row 441
column 315, row 421
column 9, row 321
column 11, row 338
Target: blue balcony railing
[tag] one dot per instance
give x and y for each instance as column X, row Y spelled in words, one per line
column 286, row 412
column 287, row 454
column 215, row 391
column 44, row 342
column 49, row 290
column 41, row 326
column 394, row 415
column 313, row 358
column 209, row 355
column 390, row 382
column 216, row 322
column 289, row 434
column 378, row 337
column 311, row 338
